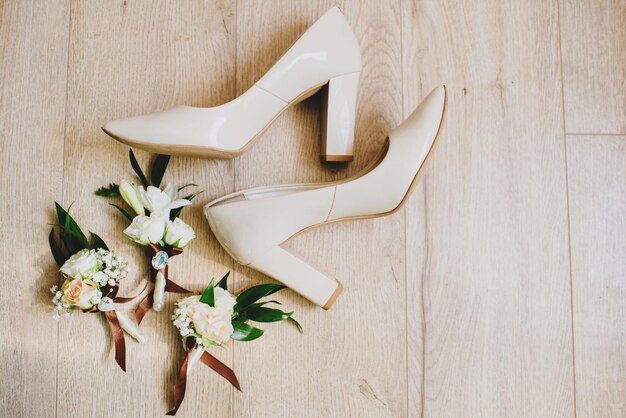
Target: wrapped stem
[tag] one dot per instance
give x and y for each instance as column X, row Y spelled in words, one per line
column 159, row 291
column 194, row 356
column 130, row 327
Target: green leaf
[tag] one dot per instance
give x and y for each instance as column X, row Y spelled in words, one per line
column 248, row 297
column 208, row 296
column 126, row 214
column 258, row 304
column 57, row 252
column 61, row 213
column 97, row 242
column 245, row 332
column 112, row 190
column 75, row 239
column 158, row 169
column 296, row 323
column 223, row 281
column 136, row 168
column 261, row 314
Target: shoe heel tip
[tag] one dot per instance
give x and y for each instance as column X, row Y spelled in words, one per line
column 334, row 297
column 337, row 158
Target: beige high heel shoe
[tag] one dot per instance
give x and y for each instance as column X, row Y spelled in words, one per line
column 252, row 224
column 326, row 55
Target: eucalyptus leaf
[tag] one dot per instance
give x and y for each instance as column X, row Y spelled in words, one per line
column 223, row 281
column 123, row 211
column 158, row 169
column 251, row 295
column 57, row 252
column 262, row 314
column 136, row 168
column 245, row 332
column 208, row 296
column 97, row 242
column 112, row 190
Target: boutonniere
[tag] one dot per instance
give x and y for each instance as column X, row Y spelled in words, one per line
column 88, row 280
column 155, row 225
column 212, row 319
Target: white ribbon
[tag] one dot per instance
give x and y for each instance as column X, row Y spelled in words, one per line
column 194, row 356
column 159, row 292
column 130, row 327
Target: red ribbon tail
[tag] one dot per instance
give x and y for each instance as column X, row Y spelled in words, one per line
column 180, row 386
column 221, row 369
column 144, row 306
column 118, row 338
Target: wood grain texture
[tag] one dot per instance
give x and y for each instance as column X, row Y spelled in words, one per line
column 597, row 196
column 33, row 68
column 487, row 248
column 457, row 305
column 131, row 58
column 593, row 43
column 351, row 360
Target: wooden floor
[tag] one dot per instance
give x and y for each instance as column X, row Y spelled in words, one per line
column 499, row 290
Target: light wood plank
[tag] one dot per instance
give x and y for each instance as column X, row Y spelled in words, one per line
column 597, row 198
column 128, row 58
column 593, row 34
column 487, row 237
column 33, row 69
column 351, row 359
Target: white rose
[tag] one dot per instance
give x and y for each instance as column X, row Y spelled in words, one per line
column 130, row 194
column 178, row 234
column 146, row 229
column 212, row 323
column 223, row 299
column 79, row 293
column 82, row 264
column 161, row 201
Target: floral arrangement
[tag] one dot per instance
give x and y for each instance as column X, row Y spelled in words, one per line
column 156, row 225
column 215, row 317
column 89, row 277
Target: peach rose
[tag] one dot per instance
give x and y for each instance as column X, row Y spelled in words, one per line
column 212, row 323
column 78, row 293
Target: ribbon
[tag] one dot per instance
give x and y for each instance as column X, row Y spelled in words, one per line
column 146, row 303
column 180, row 385
column 221, row 369
column 118, row 338
column 117, row 332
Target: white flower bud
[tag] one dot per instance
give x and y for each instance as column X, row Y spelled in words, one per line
column 130, row 194
column 178, row 233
